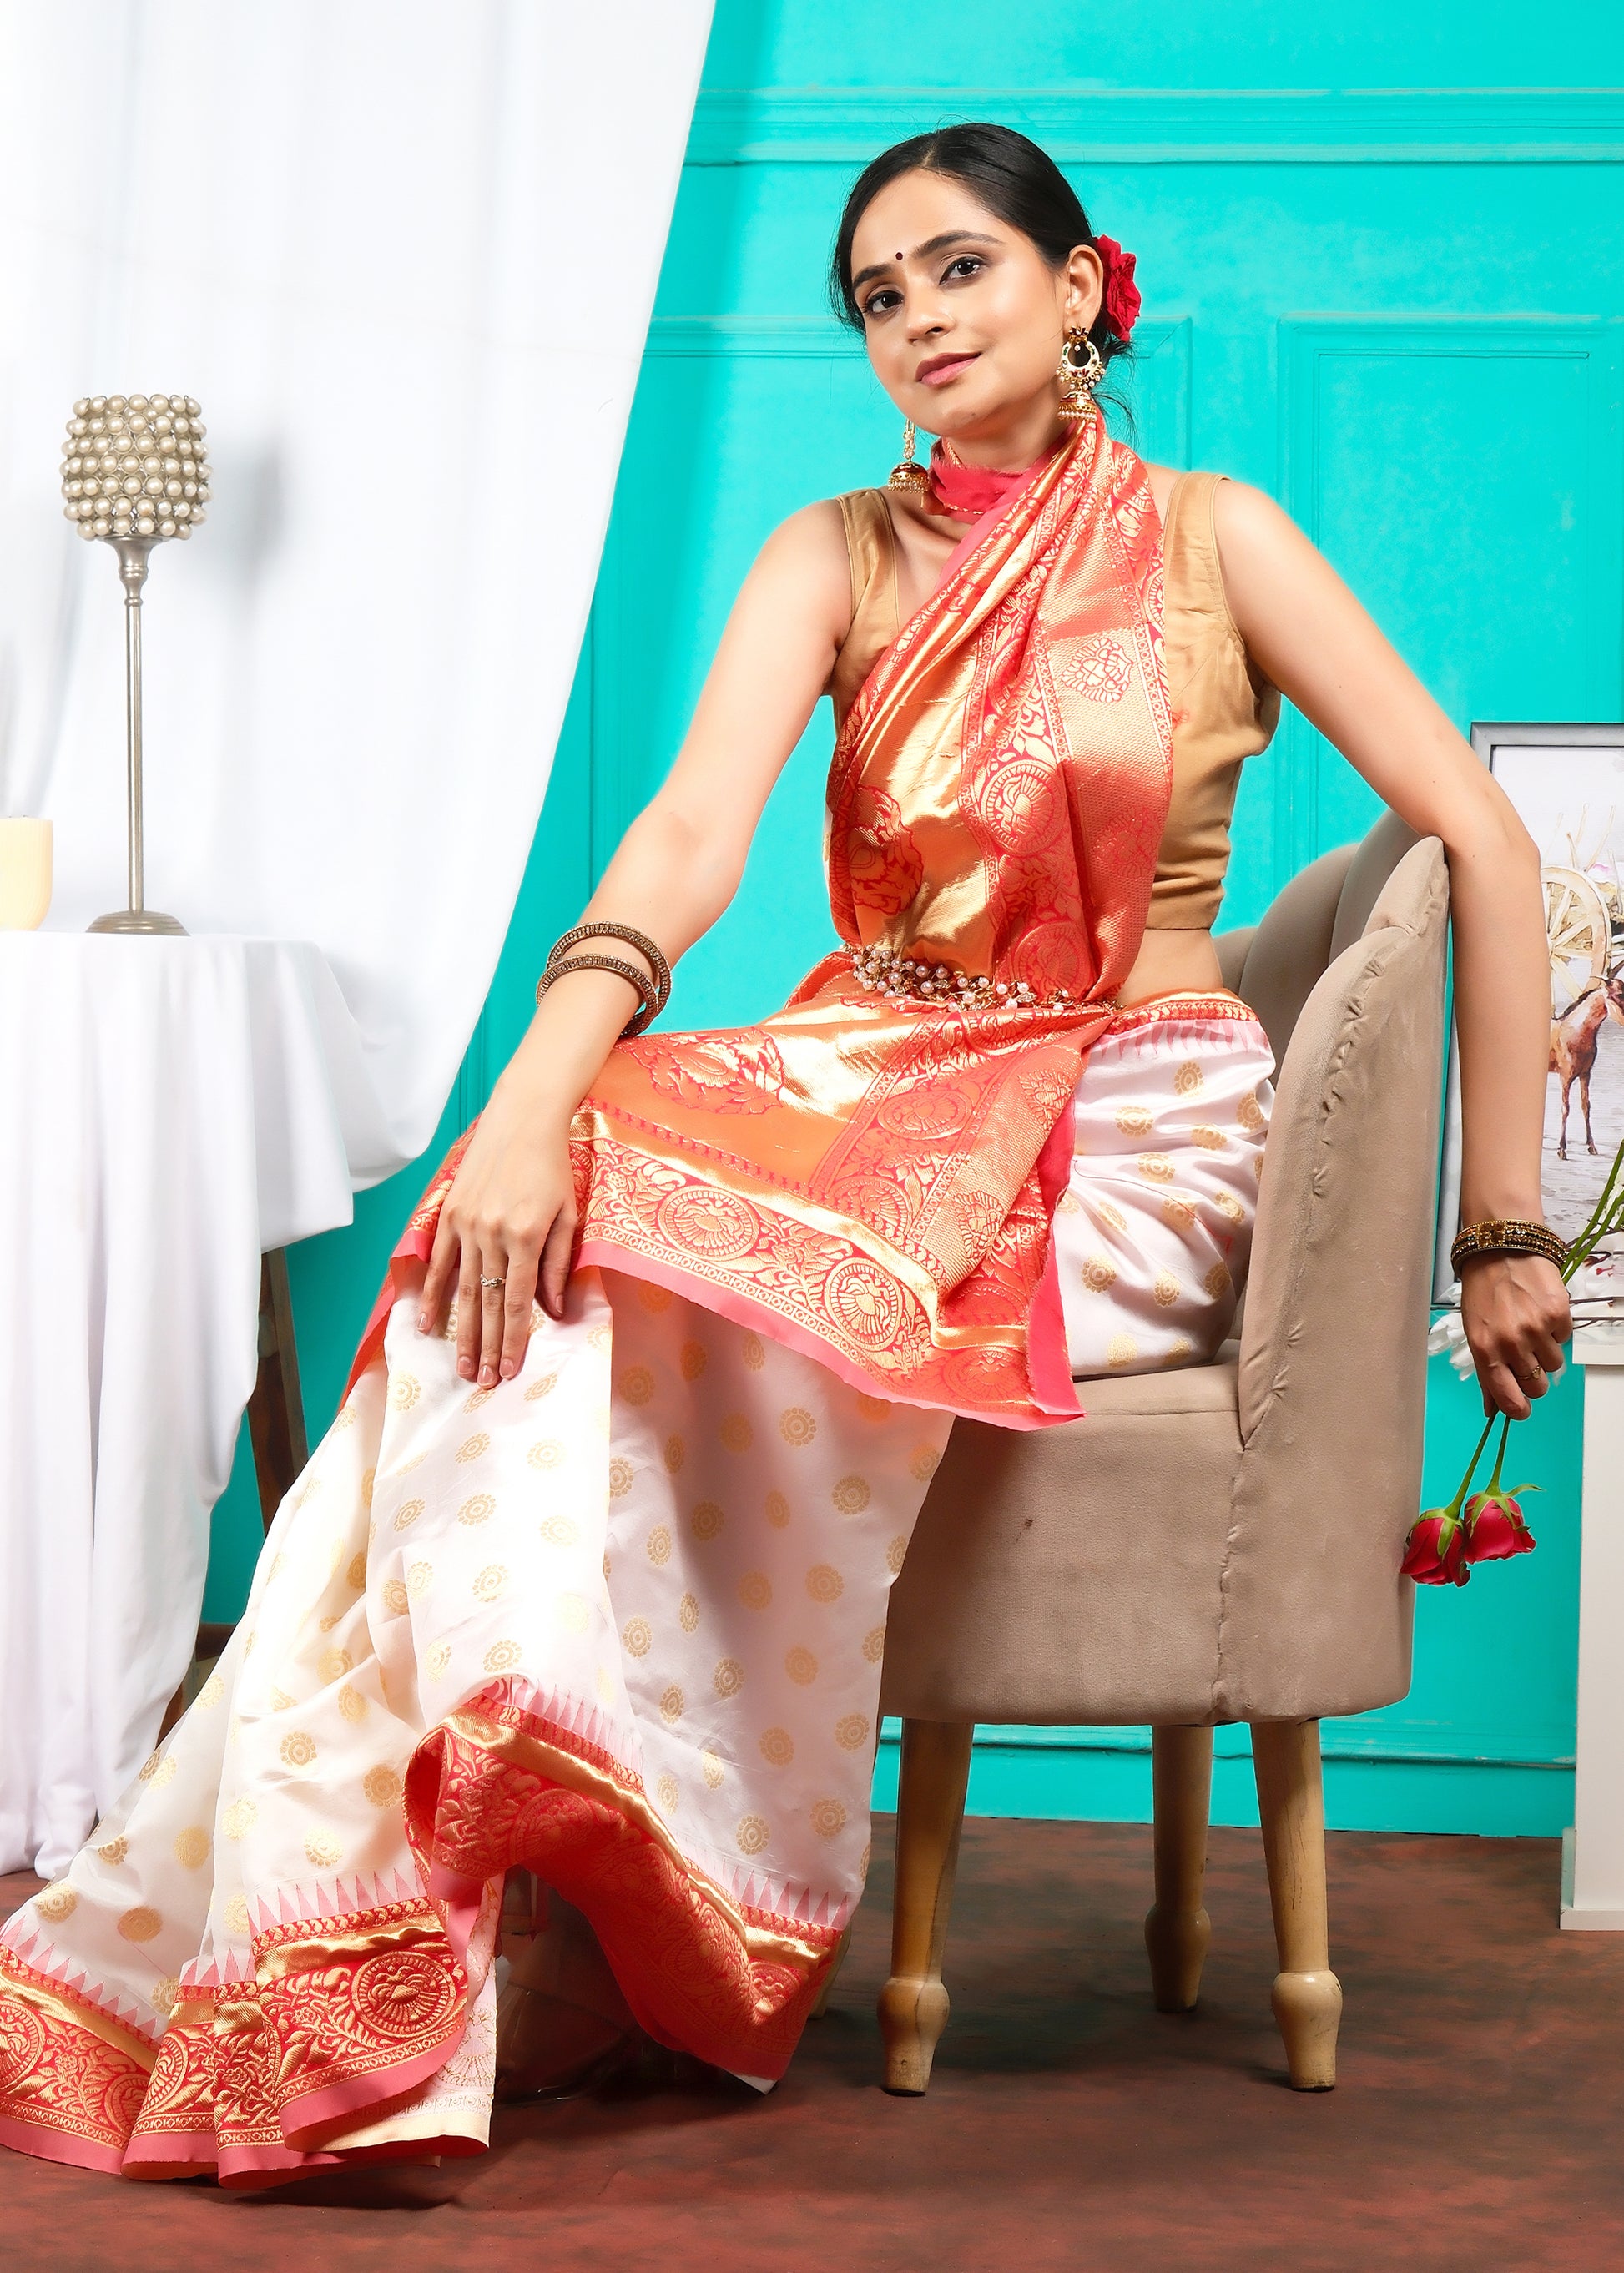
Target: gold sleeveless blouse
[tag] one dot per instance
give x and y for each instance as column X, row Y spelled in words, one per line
column 1224, row 710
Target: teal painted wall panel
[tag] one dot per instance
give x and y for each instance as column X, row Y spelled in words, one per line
column 1171, row 43
column 1383, row 281
column 1014, row 1773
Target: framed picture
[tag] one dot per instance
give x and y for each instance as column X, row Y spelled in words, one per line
column 1568, row 786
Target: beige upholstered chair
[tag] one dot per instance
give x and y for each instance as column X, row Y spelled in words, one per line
column 1220, row 1542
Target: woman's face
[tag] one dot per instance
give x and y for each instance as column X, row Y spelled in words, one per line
column 963, row 317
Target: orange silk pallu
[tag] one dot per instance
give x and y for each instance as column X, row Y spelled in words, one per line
column 871, row 1178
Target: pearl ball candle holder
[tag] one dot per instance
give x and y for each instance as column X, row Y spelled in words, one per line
column 135, row 472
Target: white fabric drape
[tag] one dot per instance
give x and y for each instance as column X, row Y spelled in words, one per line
column 167, row 1106
column 404, row 256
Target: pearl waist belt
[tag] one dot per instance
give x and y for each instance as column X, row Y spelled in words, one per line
column 881, row 970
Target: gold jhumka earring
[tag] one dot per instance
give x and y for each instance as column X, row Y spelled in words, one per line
column 907, row 474
column 1077, row 377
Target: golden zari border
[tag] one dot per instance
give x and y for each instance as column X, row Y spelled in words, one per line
column 1192, row 1003
column 495, row 1787
column 347, row 2016
column 344, row 2015
column 72, row 2080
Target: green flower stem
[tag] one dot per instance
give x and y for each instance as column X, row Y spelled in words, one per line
column 1606, row 1217
column 1453, row 1509
column 1494, row 1483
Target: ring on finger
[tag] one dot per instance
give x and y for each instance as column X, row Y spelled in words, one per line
column 486, row 1279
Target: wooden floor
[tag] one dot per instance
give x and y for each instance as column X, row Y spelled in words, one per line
column 1478, row 2126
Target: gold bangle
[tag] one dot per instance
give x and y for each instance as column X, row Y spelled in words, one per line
column 1507, row 1236
column 644, row 945
column 647, row 1008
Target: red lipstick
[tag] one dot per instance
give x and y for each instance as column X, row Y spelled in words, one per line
column 941, row 369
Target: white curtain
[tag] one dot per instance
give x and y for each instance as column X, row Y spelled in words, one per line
column 403, row 254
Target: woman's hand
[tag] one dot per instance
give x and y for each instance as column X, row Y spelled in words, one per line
column 509, row 1216
column 1515, row 1311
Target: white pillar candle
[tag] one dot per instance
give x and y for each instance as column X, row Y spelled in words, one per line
column 25, row 873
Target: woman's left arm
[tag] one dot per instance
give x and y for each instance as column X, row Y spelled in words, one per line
column 1316, row 644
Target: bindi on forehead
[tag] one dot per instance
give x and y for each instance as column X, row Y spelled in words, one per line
column 932, row 245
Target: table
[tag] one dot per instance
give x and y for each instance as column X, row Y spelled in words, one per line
column 1593, row 1849
column 169, row 1108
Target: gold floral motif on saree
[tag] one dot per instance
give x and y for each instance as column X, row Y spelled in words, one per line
column 871, row 1176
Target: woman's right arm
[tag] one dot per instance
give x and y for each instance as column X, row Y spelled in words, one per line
column 510, row 1213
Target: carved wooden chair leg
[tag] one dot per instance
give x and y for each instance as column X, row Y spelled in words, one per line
column 822, row 2005
column 936, row 1772
column 1177, row 1929
column 1308, row 1997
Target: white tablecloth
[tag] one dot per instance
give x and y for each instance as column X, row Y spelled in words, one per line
column 167, row 1108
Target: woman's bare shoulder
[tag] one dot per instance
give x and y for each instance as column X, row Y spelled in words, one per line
column 1164, row 479
column 1249, row 524
column 805, row 563
column 813, row 529
column 1260, row 549
column 811, row 541
column 1237, row 506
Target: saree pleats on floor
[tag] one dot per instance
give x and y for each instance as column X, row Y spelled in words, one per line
column 618, row 1621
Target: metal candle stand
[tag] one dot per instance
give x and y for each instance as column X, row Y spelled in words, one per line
column 134, row 473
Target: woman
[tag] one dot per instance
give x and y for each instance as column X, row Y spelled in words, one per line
column 588, row 1580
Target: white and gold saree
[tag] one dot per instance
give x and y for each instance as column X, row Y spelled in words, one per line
column 620, row 1620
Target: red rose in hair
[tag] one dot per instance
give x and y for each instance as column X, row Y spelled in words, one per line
column 1122, row 294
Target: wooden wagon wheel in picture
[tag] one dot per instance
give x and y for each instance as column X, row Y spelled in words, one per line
column 1579, row 932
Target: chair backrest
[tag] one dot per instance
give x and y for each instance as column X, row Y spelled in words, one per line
column 1332, row 1342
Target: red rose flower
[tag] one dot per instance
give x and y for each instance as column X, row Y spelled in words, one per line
column 1122, row 294
column 1435, row 1551
column 1495, row 1530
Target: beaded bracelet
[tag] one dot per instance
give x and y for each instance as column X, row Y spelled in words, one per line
column 1507, row 1236
column 647, row 1007
column 644, row 944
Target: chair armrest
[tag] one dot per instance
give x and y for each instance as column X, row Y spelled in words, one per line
column 1332, row 1389
column 1339, row 1286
